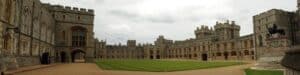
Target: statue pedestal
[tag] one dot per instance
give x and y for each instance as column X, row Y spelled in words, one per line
column 271, row 56
column 291, row 61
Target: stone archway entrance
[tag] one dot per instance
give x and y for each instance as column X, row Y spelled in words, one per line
column 204, row 57
column 45, row 58
column 78, row 56
column 63, row 57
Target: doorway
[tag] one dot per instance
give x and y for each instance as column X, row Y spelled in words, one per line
column 62, row 57
column 204, row 57
column 226, row 55
column 78, row 56
column 45, row 59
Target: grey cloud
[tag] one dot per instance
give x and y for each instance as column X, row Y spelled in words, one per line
column 123, row 14
column 161, row 19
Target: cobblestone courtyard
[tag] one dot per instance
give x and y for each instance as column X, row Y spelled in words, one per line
column 92, row 69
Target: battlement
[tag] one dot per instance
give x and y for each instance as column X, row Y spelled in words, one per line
column 227, row 24
column 271, row 12
column 69, row 9
column 204, row 28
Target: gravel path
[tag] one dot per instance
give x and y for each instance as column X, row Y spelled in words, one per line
column 92, row 69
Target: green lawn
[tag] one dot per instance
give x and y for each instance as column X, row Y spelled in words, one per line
column 263, row 72
column 160, row 65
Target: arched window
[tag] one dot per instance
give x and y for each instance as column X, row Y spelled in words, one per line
column 78, row 36
column 6, row 41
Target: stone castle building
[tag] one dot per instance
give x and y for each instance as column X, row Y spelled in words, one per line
column 33, row 33
column 222, row 42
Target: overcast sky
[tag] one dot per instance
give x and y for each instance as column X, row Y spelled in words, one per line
column 144, row 20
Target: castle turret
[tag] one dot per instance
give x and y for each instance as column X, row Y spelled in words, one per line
column 131, row 43
column 203, row 32
column 227, row 30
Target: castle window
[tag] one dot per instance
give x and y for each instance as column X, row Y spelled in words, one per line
column 64, row 16
column 251, row 43
column 246, row 52
column 151, row 52
column 233, row 53
column 219, row 54
column 245, row 44
column 8, row 10
column 78, row 17
column 225, row 46
column 6, row 41
column 232, row 45
column 260, row 41
column 78, row 36
column 252, row 52
column 63, row 35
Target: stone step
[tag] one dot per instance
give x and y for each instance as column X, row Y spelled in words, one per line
column 29, row 68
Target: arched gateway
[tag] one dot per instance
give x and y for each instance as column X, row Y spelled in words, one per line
column 78, row 55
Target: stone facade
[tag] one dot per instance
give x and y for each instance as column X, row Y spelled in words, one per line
column 262, row 22
column 221, row 43
column 271, row 48
column 74, row 31
column 32, row 32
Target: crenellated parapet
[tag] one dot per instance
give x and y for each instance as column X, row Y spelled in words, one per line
column 227, row 24
column 204, row 29
column 271, row 12
column 203, row 32
column 60, row 8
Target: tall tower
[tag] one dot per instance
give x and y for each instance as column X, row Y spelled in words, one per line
column 131, row 43
column 203, row 32
column 227, row 31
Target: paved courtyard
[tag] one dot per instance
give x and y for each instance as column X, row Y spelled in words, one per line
column 92, row 69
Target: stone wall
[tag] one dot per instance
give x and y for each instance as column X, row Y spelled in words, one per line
column 28, row 61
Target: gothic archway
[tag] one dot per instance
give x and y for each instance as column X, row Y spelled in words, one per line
column 45, row 58
column 78, row 56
